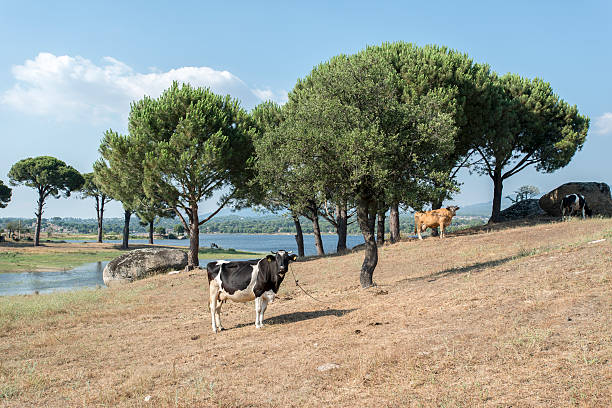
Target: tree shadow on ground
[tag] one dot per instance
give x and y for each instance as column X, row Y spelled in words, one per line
column 476, row 267
column 299, row 316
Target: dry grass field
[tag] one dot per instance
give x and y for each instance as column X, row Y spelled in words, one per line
column 520, row 316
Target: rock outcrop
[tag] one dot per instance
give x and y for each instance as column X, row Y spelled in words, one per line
column 597, row 196
column 522, row 209
column 141, row 263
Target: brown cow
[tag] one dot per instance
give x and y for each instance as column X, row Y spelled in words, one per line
column 433, row 219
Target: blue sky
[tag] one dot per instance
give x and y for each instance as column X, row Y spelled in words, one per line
column 68, row 70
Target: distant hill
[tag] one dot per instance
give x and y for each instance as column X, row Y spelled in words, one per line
column 482, row 209
column 247, row 213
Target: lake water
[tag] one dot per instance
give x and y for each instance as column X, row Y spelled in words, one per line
column 90, row 275
column 84, row 276
column 255, row 242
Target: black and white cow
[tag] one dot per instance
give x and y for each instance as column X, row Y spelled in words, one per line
column 243, row 281
column 574, row 204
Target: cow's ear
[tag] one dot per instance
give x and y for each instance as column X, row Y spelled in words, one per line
column 270, row 258
column 293, row 257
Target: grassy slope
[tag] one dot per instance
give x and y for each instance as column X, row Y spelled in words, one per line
column 61, row 256
column 518, row 317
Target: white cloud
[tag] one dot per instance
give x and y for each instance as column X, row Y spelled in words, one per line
column 75, row 88
column 603, row 124
column 269, row 95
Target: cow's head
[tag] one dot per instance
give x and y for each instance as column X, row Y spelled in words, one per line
column 282, row 259
column 453, row 209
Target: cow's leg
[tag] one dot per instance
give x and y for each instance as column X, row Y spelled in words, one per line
column 562, row 208
column 264, row 305
column 419, row 232
column 583, row 217
column 213, row 298
column 257, row 311
column 442, row 234
column 218, row 315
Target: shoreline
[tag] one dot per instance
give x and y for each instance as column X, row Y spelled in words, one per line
column 19, row 257
column 94, row 237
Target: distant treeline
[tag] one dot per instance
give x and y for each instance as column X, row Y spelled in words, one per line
column 224, row 224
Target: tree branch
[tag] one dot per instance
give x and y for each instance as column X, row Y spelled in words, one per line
column 505, row 161
column 177, row 212
column 523, row 162
column 227, row 200
column 459, row 167
column 527, row 164
column 329, row 217
column 489, row 168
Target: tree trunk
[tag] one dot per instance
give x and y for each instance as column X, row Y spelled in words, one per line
column 342, row 228
column 316, row 229
column 100, row 218
column 194, row 238
column 497, row 196
column 299, row 236
column 366, row 218
column 380, row 228
column 436, row 205
column 394, row 224
column 126, row 229
column 41, row 203
column 151, row 232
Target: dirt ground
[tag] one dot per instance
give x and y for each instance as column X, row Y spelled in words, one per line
column 519, row 316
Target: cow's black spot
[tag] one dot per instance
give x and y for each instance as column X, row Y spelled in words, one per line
column 236, row 276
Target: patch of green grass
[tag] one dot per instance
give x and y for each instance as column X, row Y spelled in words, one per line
column 531, row 338
column 26, row 379
column 524, row 252
column 23, row 309
column 9, row 391
column 13, row 261
column 228, row 253
column 21, row 262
